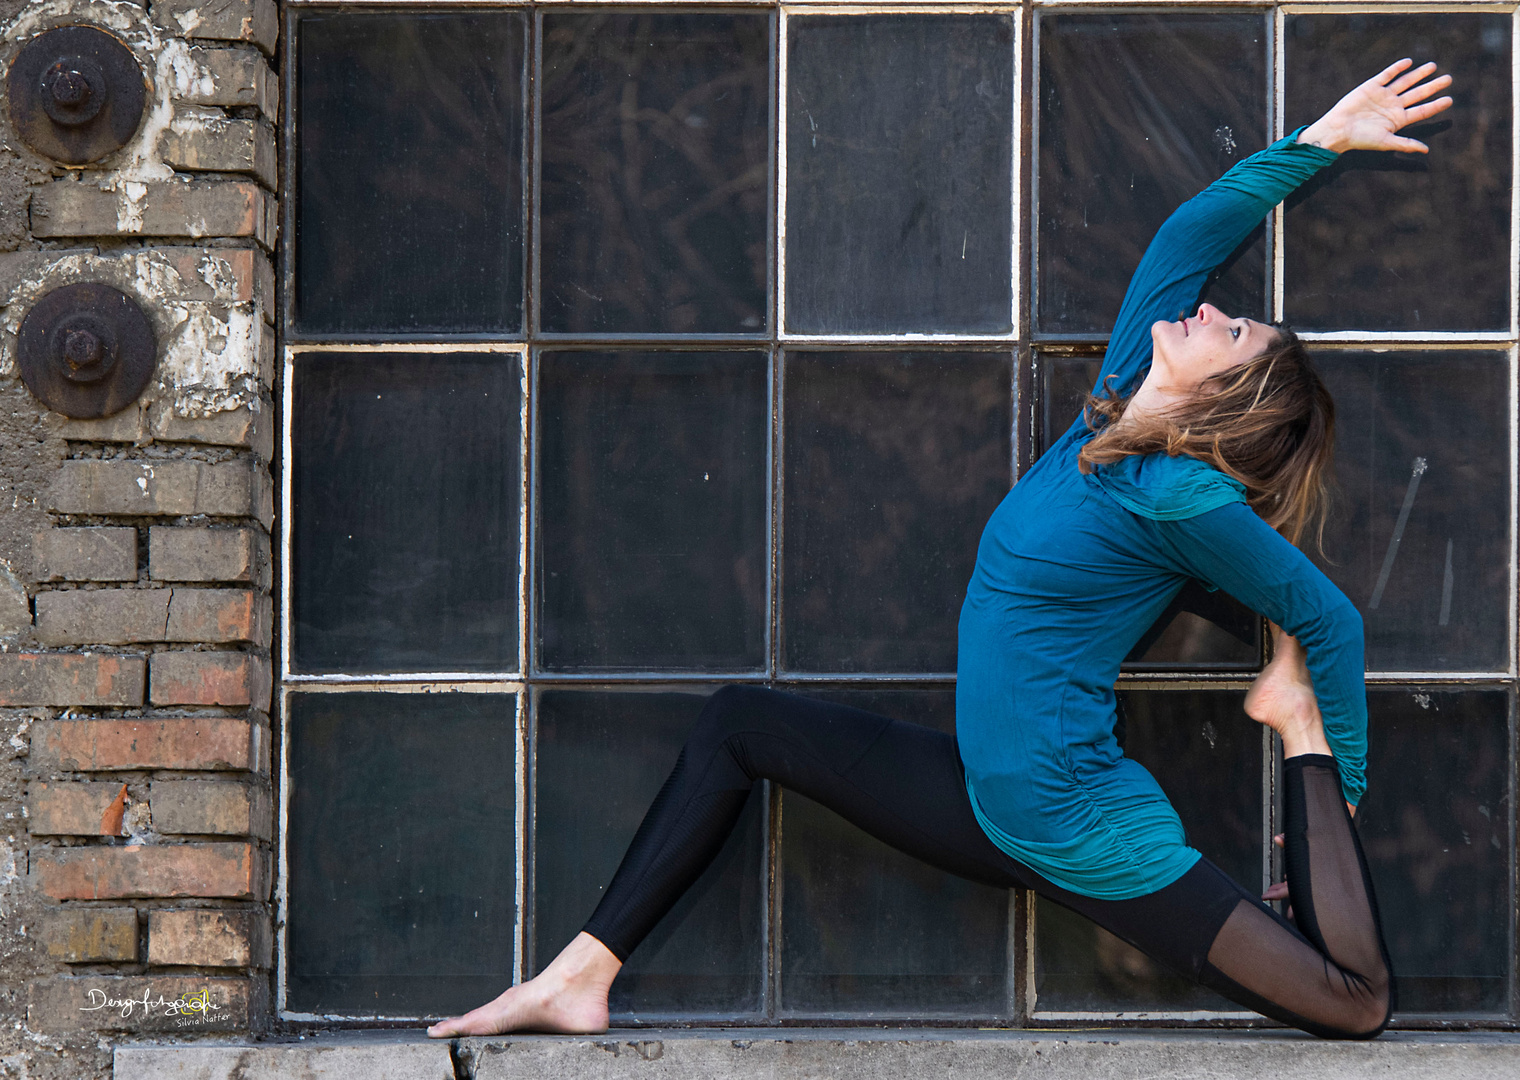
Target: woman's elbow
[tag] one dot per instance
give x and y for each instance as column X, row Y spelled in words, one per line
column 1346, row 622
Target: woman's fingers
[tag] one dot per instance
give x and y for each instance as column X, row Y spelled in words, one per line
column 1408, row 146
column 1404, row 82
column 1384, row 77
column 1278, row 891
column 1424, row 90
column 1426, row 111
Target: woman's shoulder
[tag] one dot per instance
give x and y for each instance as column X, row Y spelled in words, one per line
column 1167, row 488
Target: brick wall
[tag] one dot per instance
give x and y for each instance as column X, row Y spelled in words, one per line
column 135, row 574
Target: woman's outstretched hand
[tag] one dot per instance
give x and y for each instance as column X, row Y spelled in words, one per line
column 1367, row 118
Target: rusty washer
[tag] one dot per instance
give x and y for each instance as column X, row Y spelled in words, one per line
column 86, row 350
column 77, row 93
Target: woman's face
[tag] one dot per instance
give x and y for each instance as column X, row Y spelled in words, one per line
column 1204, row 344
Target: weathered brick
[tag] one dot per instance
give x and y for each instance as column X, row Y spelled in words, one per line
column 243, row 427
column 83, row 935
column 85, row 554
column 71, row 679
column 234, row 77
column 76, row 809
column 209, row 678
column 207, row 140
column 234, row 427
column 198, row 553
column 102, row 616
column 178, row 488
column 219, row 616
column 171, row 208
column 224, row 275
column 254, row 21
column 127, row 426
column 171, row 742
column 220, row 870
column 182, row 1004
column 209, row 938
column 210, row 808
column 15, row 606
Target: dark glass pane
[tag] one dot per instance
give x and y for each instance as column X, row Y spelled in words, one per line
column 1383, row 241
column 1224, row 633
column 655, row 159
column 1207, row 756
column 866, row 930
column 899, row 174
column 403, row 809
column 894, row 462
column 601, row 758
column 653, row 473
column 1419, row 534
column 1435, row 825
column 409, row 212
column 1139, row 113
column 406, row 482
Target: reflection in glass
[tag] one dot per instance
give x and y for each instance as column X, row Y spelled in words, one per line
column 1419, row 534
column 1137, row 114
column 893, row 463
column 1435, row 828
column 402, row 810
column 1384, row 241
column 406, row 486
column 653, row 477
column 1200, row 628
column 868, row 930
column 409, row 208
column 655, row 165
column 600, row 759
column 899, row 187
column 1207, row 756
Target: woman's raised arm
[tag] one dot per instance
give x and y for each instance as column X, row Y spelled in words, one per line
column 1202, row 233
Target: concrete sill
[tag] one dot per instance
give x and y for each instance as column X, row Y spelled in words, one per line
column 836, row 1054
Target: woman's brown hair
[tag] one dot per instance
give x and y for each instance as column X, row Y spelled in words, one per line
column 1269, row 423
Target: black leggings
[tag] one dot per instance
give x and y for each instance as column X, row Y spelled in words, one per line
column 904, row 784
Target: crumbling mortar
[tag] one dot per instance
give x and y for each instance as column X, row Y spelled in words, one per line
column 157, row 451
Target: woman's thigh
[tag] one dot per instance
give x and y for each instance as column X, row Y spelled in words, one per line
column 901, row 782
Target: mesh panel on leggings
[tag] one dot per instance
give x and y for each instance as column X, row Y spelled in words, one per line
column 1334, row 979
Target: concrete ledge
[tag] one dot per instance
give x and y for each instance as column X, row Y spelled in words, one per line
column 837, row 1054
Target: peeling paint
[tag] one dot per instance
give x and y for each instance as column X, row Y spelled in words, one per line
column 212, row 363
column 129, row 209
column 187, row 77
column 20, row 746
column 188, row 21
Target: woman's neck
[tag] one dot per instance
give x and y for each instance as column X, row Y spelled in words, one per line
column 1152, row 398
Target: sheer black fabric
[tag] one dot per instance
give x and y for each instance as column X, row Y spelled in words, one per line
column 905, row 785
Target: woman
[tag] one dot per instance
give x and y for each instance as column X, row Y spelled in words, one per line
column 1185, row 476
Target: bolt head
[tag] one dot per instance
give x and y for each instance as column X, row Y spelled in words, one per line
column 67, row 85
column 81, row 349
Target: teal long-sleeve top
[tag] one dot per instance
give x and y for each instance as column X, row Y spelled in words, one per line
column 1072, row 569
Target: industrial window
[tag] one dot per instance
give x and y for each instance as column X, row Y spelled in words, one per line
column 634, row 349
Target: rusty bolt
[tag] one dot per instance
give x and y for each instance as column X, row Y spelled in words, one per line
column 76, row 93
column 86, row 350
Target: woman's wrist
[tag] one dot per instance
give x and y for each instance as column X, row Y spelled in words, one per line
column 1325, row 136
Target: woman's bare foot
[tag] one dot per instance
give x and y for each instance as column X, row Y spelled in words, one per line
column 1282, row 697
column 569, row 996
